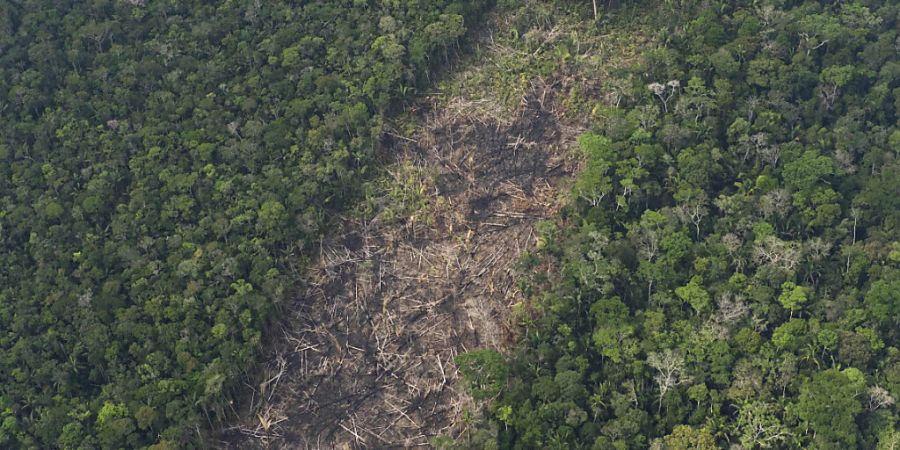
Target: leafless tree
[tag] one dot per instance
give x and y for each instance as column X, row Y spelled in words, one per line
column 817, row 248
column 733, row 244
column 777, row 201
column 879, row 397
column 98, row 33
column 812, row 41
column 769, row 154
column 829, row 93
column 747, row 381
column 665, row 92
column 760, row 427
column 670, row 367
column 732, row 308
column 753, row 103
column 777, row 253
column 845, row 160
column 692, row 211
column 757, row 141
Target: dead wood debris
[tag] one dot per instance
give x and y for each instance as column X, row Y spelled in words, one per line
column 367, row 360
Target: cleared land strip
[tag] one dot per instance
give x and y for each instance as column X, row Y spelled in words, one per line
column 391, row 303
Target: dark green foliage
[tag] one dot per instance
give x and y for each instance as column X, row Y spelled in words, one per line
column 728, row 267
column 161, row 163
column 828, row 404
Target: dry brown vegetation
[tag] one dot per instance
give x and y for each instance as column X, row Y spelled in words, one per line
column 367, row 358
column 391, row 303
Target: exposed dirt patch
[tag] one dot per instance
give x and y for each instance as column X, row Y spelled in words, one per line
column 367, row 360
column 391, row 303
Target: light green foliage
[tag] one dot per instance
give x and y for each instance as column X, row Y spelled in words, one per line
column 484, row 371
column 792, row 296
column 684, row 437
column 889, row 439
column 727, row 265
column 789, row 334
column 694, row 294
column 612, row 336
column 883, row 300
column 594, row 184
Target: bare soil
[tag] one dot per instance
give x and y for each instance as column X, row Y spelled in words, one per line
column 372, row 340
column 367, row 354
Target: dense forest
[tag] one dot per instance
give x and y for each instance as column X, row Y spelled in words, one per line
column 163, row 167
column 727, row 272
